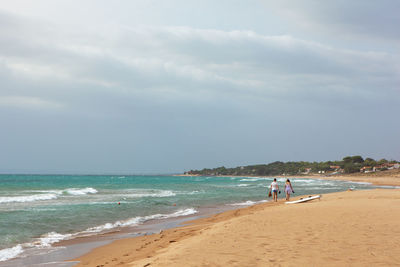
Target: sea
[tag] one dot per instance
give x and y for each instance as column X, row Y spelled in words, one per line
column 37, row 211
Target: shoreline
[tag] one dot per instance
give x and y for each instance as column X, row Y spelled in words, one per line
column 382, row 180
column 386, row 178
column 61, row 253
column 166, row 237
column 375, row 180
column 88, row 244
column 258, row 235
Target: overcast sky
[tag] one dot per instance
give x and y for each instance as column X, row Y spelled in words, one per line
column 167, row 86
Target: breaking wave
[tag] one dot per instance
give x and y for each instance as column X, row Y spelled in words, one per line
column 31, row 198
column 47, row 195
column 79, row 192
column 139, row 220
column 48, row 239
column 9, row 253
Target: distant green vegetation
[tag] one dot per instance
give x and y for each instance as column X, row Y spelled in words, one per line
column 350, row 164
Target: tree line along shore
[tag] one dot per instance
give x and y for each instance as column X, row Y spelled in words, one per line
column 348, row 165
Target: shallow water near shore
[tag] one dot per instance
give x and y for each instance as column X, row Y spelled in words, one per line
column 36, row 211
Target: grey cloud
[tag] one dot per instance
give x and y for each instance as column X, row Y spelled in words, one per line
column 373, row 20
column 145, row 59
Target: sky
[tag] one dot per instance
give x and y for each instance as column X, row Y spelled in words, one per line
column 144, row 86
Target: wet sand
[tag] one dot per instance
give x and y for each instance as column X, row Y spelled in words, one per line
column 352, row 228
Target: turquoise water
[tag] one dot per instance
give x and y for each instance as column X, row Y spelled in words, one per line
column 38, row 210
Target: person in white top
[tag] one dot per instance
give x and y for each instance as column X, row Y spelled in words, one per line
column 274, row 188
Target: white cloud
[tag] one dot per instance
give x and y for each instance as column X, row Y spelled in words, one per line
column 144, row 56
column 358, row 19
column 155, row 61
column 36, row 71
column 25, row 102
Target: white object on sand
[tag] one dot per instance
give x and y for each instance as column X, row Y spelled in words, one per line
column 304, row 199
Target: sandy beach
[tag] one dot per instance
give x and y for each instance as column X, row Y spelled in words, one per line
column 352, row 228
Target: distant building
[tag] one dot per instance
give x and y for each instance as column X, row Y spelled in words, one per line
column 379, row 168
column 390, row 166
column 307, row 171
column 334, row 167
column 366, row 169
column 386, row 166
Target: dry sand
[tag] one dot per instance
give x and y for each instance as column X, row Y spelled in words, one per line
column 353, row 228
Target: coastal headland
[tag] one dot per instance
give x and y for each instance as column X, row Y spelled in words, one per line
column 352, row 228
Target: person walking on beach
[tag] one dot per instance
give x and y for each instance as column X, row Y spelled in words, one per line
column 274, row 187
column 288, row 189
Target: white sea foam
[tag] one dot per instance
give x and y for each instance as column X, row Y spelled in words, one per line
column 242, row 185
column 46, row 195
column 31, row 198
column 137, row 193
column 177, row 213
column 138, row 220
column 50, row 238
column 80, row 191
column 57, row 192
column 249, row 180
column 254, row 179
column 248, row 203
column 184, row 212
column 364, row 183
column 192, row 193
column 306, row 180
column 46, row 240
column 9, row 253
column 388, row 186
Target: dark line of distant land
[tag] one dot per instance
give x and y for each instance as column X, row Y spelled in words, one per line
column 349, row 164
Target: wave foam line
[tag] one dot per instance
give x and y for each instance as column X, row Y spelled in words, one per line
column 30, row 198
column 46, row 240
column 51, row 194
column 138, row 220
column 79, row 192
column 254, row 179
column 138, row 193
column 248, row 203
column 9, row 253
